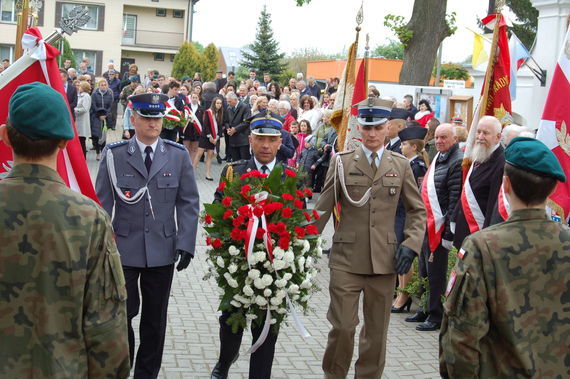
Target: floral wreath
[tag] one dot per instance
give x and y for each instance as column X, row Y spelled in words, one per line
column 173, row 118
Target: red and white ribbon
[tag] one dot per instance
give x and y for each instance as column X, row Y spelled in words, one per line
column 252, row 226
column 213, row 123
column 503, row 204
column 435, row 217
column 473, row 214
column 195, row 121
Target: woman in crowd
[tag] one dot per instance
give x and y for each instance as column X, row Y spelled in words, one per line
column 82, row 118
column 211, row 131
column 309, row 112
column 325, row 101
column 194, row 127
column 294, row 101
column 272, row 105
column 429, row 140
column 197, row 89
column 424, row 114
column 133, row 70
column 128, row 127
column 273, row 90
column 322, row 134
column 101, row 102
column 286, row 90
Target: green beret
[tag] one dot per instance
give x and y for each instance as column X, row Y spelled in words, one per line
column 532, row 155
column 39, row 112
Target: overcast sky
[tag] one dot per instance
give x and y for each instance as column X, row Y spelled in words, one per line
column 324, row 24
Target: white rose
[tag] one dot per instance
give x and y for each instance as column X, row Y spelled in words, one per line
column 273, row 320
column 279, row 265
column 267, row 292
column 293, row 288
column 254, row 274
column 280, row 294
column 236, row 304
column 295, row 297
column 232, row 268
column 289, row 256
column 250, row 316
column 244, row 267
column 301, row 263
column 276, row 300
column 281, row 310
column 306, row 283
column 293, row 268
column 278, row 253
column 258, row 283
column 260, row 300
column 247, row 291
column 259, row 256
column 233, row 250
column 267, row 280
column 306, row 246
column 287, row 276
column 309, row 262
column 231, row 281
column 304, row 299
column 280, row 283
column 220, row 262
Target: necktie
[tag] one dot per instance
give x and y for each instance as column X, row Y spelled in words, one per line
column 264, row 169
column 373, row 157
column 147, row 160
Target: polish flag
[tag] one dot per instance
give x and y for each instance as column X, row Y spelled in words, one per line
column 71, row 164
column 518, row 54
column 554, row 130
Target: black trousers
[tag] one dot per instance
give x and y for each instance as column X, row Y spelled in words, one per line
column 236, row 153
column 261, row 361
column 155, row 285
column 436, row 272
column 170, row 134
column 320, row 175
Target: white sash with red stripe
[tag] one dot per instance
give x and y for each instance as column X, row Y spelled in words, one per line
column 435, row 217
column 174, row 116
column 503, row 204
column 473, row 214
column 192, row 117
column 213, row 123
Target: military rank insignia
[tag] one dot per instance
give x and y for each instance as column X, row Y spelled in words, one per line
column 392, row 175
column 450, row 283
column 392, row 191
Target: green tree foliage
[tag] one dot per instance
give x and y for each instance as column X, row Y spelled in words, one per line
column 67, row 53
column 210, row 62
column 390, row 50
column 452, row 71
column 263, row 54
column 527, row 18
column 187, row 61
column 297, row 60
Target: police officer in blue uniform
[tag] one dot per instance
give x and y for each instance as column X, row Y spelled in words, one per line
column 149, row 184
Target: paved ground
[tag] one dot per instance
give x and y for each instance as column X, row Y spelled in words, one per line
column 192, row 343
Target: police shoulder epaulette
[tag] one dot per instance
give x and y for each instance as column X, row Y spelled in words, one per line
column 118, row 143
column 241, row 161
column 345, row 152
column 175, row 144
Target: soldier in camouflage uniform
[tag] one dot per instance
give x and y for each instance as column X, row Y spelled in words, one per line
column 506, row 313
column 62, row 292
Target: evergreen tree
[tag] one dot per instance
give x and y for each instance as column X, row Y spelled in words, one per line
column 263, row 54
column 210, row 61
column 67, row 53
column 187, row 61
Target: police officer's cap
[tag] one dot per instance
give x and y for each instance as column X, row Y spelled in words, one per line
column 412, row 132
column 532, row 155
column 39, row 112
column 266, row 124
column 150, row 105
column 374, row 111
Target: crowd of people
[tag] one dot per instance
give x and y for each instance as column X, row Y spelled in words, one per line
column 402, row 194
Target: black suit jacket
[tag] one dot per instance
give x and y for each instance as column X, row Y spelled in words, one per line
column 396, row 147
column 238, row 119
column 71, row 93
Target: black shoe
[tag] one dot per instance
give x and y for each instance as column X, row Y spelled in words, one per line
column 210, row 179
column 428, row 326
column 407, row 304
column 202, row 158
column 417, row 317
column 219, row 159
column 221, row 372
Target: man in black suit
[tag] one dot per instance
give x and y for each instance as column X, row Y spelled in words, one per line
column 237, row 129
column 220, row 80
column 70, row 91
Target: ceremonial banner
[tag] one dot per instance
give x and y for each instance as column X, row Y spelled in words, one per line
column 71, row 164
column 554, row 130
column 518, row 53
column 353, row 139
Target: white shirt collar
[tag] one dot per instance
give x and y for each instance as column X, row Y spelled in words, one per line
column 495, row 148
column 394, row 140
column 412, row 158
column 142, row 146
column 269, row 165
column 368, row 154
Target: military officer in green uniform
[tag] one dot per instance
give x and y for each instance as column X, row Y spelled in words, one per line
column 506, row 313
column 62, row 290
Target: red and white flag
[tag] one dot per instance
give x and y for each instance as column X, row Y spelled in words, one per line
column 435, row 216
column 71, row 164
column 554, row 129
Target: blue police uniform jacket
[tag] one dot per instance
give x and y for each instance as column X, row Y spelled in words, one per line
column 150, row 236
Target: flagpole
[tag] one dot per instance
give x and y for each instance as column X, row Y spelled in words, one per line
column 490, row 65
column 21, row 27
column 366, row 60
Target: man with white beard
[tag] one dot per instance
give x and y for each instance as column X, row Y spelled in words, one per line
column 479, row 194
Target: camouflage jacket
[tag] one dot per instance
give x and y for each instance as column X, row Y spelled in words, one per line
column 62, row 290
column 507, row 307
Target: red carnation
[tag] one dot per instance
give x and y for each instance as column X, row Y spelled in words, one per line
column 286, row 212
column 290, row 173
column 222, row 186
column 278, row 206
column 308, row 192
column 300, row 232
column 227, row 201
column 255, row 173
column 259, row 234
column 228, row 214
column 258, row 211
column 299, row 203
column 268, row 208
column 236, row 234
column 284, row 243
column 245, row 189
column 287, row 196
column 312, row 229
column 208, row 241
column 245, row 176
column 216, row 244
column 299, row 193
column 307, row 216
column 263, row 176
column 208, row 219
column 316, row 215
column 244, row 210
column 238, row 221
column 280, row 228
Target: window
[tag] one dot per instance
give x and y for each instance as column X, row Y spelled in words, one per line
column 161, row 12
column 96, row 13
column 90, row 54
column 178, row 13
column 159, row 57
column 8, row 9
column 7, row 51
column 172, row 57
